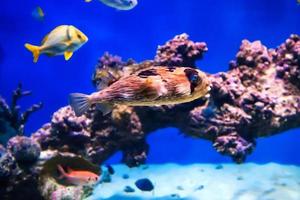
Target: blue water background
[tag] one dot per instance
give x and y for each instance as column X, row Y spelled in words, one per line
column 136, row 34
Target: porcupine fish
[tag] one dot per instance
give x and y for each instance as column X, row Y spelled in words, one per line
column 153, row 86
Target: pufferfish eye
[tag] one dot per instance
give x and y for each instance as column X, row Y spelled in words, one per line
column 192, row 76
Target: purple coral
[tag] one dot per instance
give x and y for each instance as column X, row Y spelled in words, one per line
column 24, row 149
column 288, row 60
column 109, row 69
column 7, row 167
column 180, row 51
column 235, row 146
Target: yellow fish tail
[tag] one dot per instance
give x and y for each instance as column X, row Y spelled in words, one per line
column 35, row 51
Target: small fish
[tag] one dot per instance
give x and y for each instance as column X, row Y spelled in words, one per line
column 75, row 177
column 144, row 184
column 148, row 87
column 38, row 14
column 64, row 39
column 119, row 4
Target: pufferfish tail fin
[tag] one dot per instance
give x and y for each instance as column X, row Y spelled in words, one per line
column 80, row 103
column 35, row 51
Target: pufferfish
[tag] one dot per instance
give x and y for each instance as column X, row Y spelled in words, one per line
column 64, row 39
column 153, row 86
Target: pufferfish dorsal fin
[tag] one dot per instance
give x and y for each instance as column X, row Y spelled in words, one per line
column 135, row 68
column 45, row 39
column 68, row 55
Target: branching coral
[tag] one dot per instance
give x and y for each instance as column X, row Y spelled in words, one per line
column 259, row 96
column 12, row 122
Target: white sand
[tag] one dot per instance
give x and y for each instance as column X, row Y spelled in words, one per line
column 232, row 182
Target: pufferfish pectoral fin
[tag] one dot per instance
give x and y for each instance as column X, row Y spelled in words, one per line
column 68, row 55
column 105, row 108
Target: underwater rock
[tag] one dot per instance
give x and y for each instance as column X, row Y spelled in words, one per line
column 144, row 184
column 12, row 122
column 24, row 149
column 15, row 179
column 7, row 166
column 93, row 137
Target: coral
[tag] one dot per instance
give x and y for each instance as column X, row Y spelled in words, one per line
column 15, row 179
column 180, row 51
column 12, row 122
column 243, row 105
column 17, row 171
column 288, row 60
column 24, row 149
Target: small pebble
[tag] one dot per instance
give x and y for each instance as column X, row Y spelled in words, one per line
column 128, row 189
column 219, row 167
column 145, row 167
column 179, row 187
column 125, row 176
column 240, row 178
column 200, row 187
column 175, row 195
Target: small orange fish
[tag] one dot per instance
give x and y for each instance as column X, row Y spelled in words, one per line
column 75, row 177
column 153, row 86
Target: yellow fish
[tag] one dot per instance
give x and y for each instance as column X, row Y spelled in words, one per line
column 63, row 40
column 148, row 87
column 38, row 13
